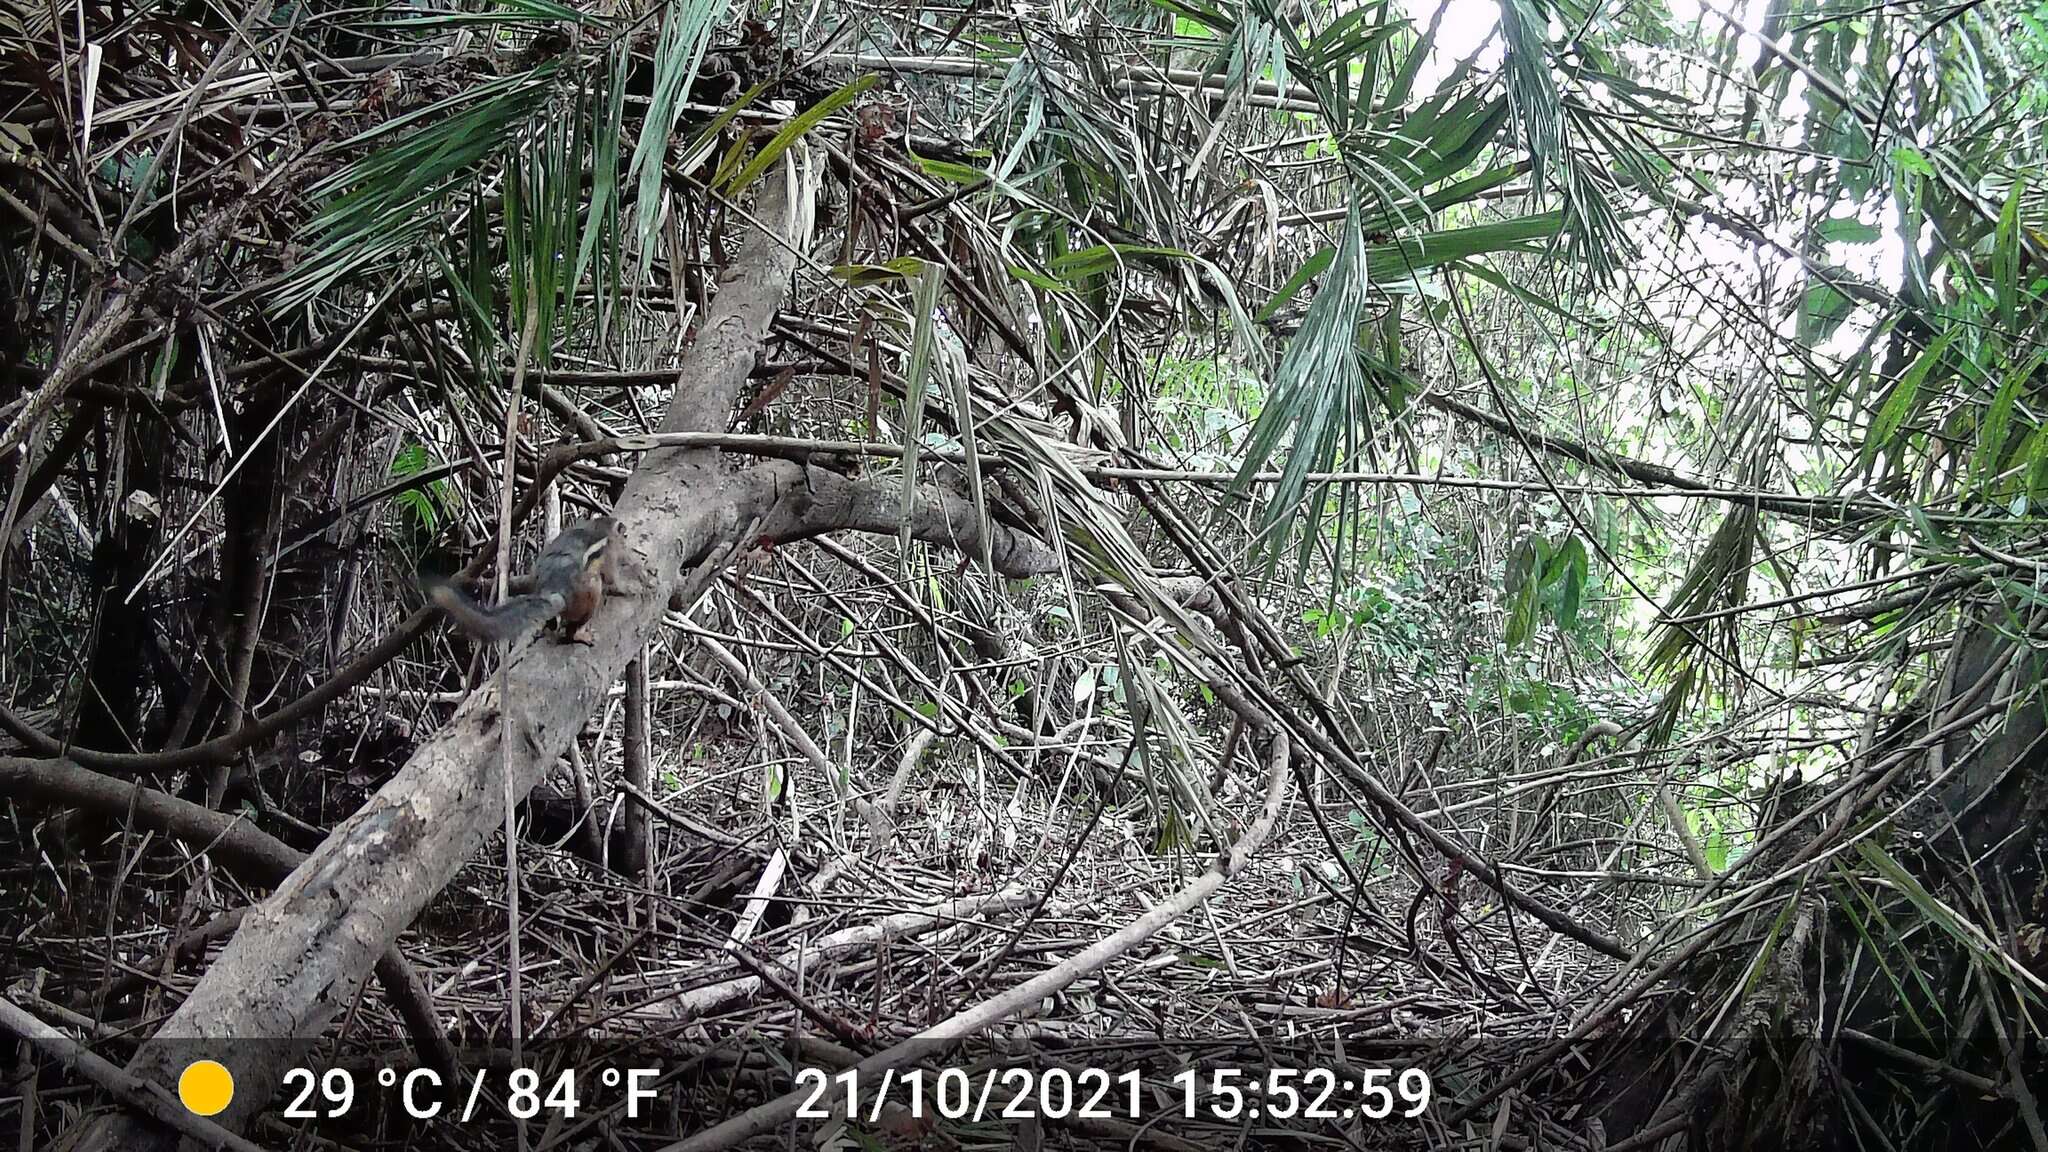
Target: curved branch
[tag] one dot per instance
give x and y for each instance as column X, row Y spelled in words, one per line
column 826, row 501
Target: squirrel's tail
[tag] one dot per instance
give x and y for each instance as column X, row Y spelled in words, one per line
column 515, row 619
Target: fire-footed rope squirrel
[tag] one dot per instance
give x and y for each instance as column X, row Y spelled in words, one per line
column 569, row 578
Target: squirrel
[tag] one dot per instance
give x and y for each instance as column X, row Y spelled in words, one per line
column 569, row 578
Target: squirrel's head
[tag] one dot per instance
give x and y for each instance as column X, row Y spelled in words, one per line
column 592, row 538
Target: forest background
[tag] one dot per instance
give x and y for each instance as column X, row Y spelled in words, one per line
column 1509, row 528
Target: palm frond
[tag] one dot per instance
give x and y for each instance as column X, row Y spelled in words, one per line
column 1320, row 401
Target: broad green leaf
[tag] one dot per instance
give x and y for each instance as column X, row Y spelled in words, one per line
column 1569, row 568
column 1309, row 270
column 1207, row 16
column 1903, row 400
column 867, row 275
column 948, row 171
column 1822, row 310
column 1039, row 280
column 795, row 130
column 1397, row 260
column 1447, row 196
column 1716, row 848
column 1461, row 142
column 1848, row 230
column 1991, row 434
column 1909, row 160
column 1099, row 258
column 1522, row 616
column 1526, row 564
column 707, row 137
column 1347, row 37
column 2005, row 260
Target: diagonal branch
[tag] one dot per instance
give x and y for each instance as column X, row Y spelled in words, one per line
column 1818, row 508
column 302, row 954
